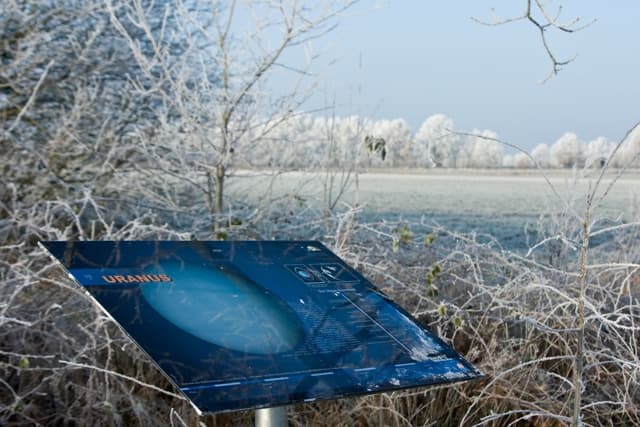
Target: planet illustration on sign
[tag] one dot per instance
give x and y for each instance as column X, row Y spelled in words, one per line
column 255, row 324
column 223, row 307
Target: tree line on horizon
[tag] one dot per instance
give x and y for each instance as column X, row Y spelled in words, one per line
column 308, row 141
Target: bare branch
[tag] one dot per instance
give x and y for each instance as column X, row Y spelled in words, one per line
column 543, row 24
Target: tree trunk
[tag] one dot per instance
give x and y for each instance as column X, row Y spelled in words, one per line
column 217, row 207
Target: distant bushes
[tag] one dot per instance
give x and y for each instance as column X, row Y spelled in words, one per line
column 303, row 141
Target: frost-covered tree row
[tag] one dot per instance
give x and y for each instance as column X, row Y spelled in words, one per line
column 306, row 141
column 569, row 151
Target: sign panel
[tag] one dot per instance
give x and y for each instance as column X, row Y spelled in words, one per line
column 240, row 325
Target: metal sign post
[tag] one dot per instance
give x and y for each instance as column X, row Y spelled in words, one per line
column 271, row 417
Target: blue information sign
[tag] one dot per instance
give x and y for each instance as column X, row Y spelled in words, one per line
column 240, row 325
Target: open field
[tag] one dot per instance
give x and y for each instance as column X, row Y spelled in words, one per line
column 490, row 192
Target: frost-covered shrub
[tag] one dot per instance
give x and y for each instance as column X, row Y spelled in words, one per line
column 567, row 151
column 484, row 150
column 542, row 155
column 440, row 143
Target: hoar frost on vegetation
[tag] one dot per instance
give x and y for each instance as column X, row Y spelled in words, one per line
column 102, row 101
column 302, row 140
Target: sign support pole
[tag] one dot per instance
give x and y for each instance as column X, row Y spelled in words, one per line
column 271, row 417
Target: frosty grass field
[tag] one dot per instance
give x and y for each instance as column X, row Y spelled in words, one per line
column 497, row 202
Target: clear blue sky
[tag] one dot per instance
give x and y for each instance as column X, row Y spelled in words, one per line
column 413, row 58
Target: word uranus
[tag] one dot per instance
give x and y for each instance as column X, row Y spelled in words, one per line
column 137, row 278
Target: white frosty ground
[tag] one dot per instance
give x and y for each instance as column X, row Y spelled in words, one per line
column 503, row 192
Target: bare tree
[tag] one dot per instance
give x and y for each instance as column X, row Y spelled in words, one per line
column 542, row 154
column 245, row 43
column 568, row 151
column 441, row 144
column 484, row 153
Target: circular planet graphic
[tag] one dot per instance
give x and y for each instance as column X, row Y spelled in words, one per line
column 224, row 308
